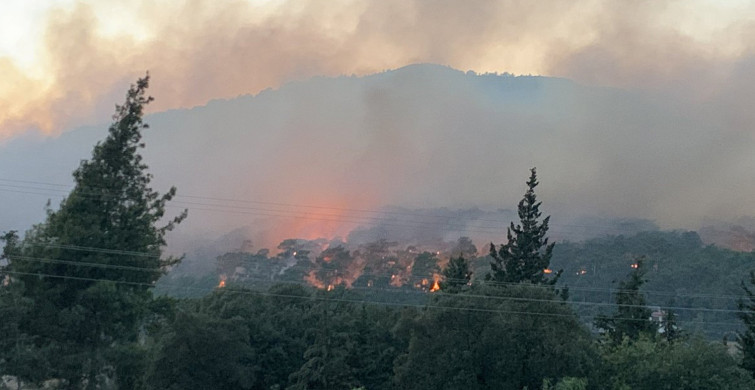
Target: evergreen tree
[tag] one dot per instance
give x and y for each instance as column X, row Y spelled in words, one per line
column 90, row 266
column 456, row 275
column 424, row 269
column 527, row 254
column 202, row 352
column 671, row 331
column 746, row 338
column 695, row 364
column 632, row 317
column 327, row 359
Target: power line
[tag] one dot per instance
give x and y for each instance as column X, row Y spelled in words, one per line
column 349, row 219
column 414, row 278
column 361, row 301
column 418, row 278
column 290, row 205
column 94, row 249
column 86, row 264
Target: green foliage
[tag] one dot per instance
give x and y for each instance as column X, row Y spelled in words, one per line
column 492, row 338
column 632, row 317
column 746, row 337
column 568, row 383
column 670, row 329
column 326, row 364
column 456, row 275
column 88, row 269
column 527, row 254
column 681, row 272
column 200, row 351
column 693, row 365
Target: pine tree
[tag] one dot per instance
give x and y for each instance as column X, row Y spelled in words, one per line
column 527, row 254
column 632, row 317
column 90, row 266
column 671, row 331
column 746, row 338
column 456, row 275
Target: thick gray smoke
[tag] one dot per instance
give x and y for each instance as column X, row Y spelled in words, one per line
column 320, row 157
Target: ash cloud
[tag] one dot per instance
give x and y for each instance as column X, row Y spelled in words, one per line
column 321, row 157
column 657, row 123
column 200, row 50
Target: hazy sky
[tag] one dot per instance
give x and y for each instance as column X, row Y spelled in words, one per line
column 65, row 63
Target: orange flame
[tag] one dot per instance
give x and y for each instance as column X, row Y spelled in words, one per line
column 436, row 283
column 222, row 281
column 311, row 278
column 547, row 271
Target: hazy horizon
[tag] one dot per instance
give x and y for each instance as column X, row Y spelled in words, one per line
column 295, row 165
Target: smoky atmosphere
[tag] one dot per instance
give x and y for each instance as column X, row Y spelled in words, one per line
column 266, row 194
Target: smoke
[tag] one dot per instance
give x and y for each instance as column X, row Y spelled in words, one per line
column 200, row 50
column 322, row 157
column 666, row 135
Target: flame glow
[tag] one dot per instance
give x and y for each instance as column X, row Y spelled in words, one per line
column 222, row 281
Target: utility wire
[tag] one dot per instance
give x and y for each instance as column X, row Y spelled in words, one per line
column 418, row 278
column 415, row 279
column 290, row 205
column 361, row 301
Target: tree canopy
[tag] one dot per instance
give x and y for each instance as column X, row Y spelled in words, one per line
column 88, row 268
column 526, row 255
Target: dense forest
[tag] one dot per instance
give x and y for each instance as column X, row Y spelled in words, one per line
column 85, row 303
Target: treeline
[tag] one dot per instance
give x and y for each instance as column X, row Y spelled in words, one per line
column 78, row 310
column 701, row 283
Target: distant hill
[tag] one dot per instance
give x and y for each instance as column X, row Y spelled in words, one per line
column 423, row 136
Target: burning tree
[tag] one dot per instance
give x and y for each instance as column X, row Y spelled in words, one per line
column 527, row 255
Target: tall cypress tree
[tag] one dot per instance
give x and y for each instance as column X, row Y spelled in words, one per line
column 527, row 254
column 90, row 266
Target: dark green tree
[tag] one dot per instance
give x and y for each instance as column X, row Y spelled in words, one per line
column 327, row 362
column 695, row 364
column 90, row 266
column 527, row 254
column 17, row 353
column 671, row 331
column 202, row 352
column 632, row 316
column 746, row 338
column 493, row 338
column 456, row 275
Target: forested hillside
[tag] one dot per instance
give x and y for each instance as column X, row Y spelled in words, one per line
column 78, row 307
